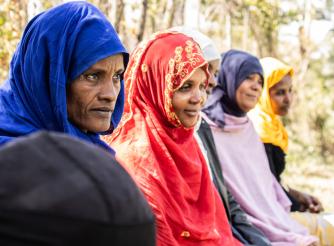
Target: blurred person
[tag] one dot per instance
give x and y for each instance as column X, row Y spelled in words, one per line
column 60, row 191
column 165, row 85
column 275, row 102
column 242, row 229
column 65, row 76
column 241, row 153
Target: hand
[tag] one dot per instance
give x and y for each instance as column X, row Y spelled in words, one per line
column 307, row 202
column 314, row 244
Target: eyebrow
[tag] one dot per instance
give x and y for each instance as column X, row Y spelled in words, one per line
column 121, row 70
column 97, row 68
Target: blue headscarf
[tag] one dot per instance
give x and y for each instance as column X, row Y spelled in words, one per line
column 235, row 67
column 56, row 47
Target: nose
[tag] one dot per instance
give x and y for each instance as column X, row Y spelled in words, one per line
column 109, row 90
column 257, row 86
column 288, row 98
column 197, row 96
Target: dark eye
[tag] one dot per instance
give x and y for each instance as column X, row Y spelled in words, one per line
column 117, row 77
column 186, row 86
column 280, row 92
column 202, row 86
column 92, row 76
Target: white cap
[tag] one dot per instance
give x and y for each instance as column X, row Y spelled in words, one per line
column 210, row 51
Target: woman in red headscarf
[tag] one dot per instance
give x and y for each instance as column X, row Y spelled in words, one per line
column 165, row 88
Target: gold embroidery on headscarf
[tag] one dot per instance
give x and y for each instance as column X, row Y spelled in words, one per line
column 192, row 53
column 144, row 68
column 178, row 73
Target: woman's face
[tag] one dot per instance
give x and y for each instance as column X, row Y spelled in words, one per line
column 281, row 96
column 213, row 70
column 248, row 92
column 91, row 97
column 189, row 98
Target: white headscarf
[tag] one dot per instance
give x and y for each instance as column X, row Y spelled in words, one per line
column 207, row 46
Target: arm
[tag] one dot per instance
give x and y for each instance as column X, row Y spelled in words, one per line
column 307, row 202
column 300, row 201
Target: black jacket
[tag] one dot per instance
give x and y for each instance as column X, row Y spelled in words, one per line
column 276, row 158
column 242, row 229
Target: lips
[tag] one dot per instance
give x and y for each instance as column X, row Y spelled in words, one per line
column 251, row 96
column 103, row 111
column 191, row 112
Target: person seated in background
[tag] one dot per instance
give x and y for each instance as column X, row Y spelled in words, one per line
column 60, row 191
column 274, row 102
column 242, row 155
column 65, row 76
column 165, row 86
column 242, row 229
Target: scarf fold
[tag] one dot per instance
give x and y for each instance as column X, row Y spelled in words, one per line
column 267, row 123
column 162, row 155
column 56, row 47
column 248, row 177
column 231, row 74
column 247, row 173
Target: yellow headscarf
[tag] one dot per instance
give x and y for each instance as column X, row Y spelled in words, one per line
column 266, row 122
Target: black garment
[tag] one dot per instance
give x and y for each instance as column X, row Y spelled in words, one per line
column 276, row 158
column 242, row 229
column 59, row 191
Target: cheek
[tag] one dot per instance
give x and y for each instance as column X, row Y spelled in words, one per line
column 78, row 101
column 276, row 102
column 175, row 102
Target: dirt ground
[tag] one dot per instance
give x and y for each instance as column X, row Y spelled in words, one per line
column 314, row 179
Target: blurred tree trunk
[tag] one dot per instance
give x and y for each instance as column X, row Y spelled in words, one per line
column 228, row 30
column 304, row 41
column 119, row 15
column 170, row 9
column 245, row 28
column 142, row 22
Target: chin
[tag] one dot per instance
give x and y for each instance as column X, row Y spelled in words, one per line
column 283, row 113
column 190, row 125
column 98, row 129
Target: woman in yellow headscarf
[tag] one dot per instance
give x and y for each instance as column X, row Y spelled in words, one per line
column 274, row 102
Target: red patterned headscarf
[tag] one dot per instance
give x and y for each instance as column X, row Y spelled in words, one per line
column 161, row 154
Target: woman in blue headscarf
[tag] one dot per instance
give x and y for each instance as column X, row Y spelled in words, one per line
column 65, row 76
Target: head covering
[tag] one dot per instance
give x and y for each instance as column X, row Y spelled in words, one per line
column 235, row 67
column 210, row 51
column 162, row 154
column 248, row 177
column 56, row 47
column 59, row 191
column 267, row 123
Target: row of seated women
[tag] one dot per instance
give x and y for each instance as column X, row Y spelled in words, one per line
column 195, row 155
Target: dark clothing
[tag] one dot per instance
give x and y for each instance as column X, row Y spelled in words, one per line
column 242, row 229
column 276, row 158
column 60, row 191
